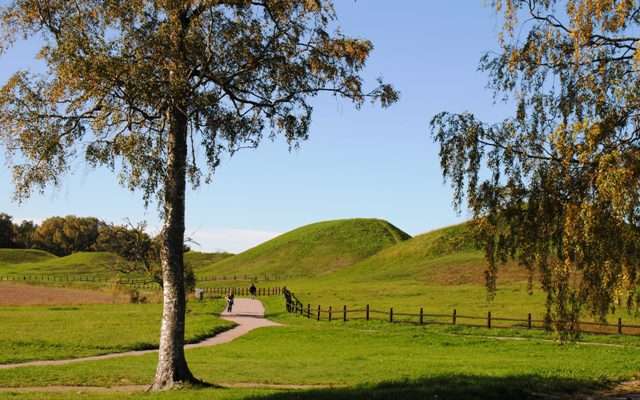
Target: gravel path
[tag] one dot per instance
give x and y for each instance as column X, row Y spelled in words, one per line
column 247, row 313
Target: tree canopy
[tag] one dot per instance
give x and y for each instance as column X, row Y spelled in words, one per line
column 242, row 69
column 557, row 185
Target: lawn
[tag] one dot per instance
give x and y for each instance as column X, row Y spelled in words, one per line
column 46, row 333
column 367, row 360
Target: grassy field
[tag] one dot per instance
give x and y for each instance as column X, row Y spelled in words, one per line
column 366, row 360
column 351, row 262
column 47, row 333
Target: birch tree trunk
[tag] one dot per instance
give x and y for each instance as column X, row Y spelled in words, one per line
column 172, row 369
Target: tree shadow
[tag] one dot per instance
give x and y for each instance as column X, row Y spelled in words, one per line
column 456, row 387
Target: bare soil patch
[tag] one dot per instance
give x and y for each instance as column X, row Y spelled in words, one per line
column 12, row 294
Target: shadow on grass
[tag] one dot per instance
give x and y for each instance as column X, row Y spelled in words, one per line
column 453, row 387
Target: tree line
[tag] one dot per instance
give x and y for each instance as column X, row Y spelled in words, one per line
column 62, row 236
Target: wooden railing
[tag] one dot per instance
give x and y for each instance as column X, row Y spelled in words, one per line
column 345, row 314
column 242, row 291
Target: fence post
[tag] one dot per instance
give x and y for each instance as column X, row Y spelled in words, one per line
column 318, row 312
column 308, row 310
column 453, row 317
column 329, row 313
column 367, row 312
column 529, row 321
column 391, row 314
column 620, row 326
column 489, row 319
column 421, row 316
column 344, row 313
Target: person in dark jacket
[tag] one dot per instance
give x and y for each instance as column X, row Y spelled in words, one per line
column 230, row 298
column 253, row 290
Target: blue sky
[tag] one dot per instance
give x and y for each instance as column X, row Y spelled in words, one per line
column 357, row 163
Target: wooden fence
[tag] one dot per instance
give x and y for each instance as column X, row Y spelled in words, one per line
column 367, row 313
column 242, row 291
column 133, row 281
column 137, row 283
column 248, row 278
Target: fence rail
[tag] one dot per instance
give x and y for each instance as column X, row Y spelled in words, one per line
column 134, row 281
column 77, row 278
column 242, row 291
column 248, row 278
column 345, row 314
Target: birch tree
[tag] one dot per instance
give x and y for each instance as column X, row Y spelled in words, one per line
column 149, row 88
column 556, row 186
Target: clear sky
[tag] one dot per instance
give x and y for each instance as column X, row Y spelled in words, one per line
column 357, row 163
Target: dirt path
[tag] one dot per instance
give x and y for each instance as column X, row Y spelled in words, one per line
column 142, row 388
column 247, row 313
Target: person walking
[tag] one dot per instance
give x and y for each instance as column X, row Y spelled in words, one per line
column 253, row 290
column 230, row 298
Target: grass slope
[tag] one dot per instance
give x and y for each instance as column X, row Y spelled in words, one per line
column 20, row 256
column 424, row 257
column 38, row 262
column 314, row 249
column 81, row 263
column 198, row 260
column 446, row 256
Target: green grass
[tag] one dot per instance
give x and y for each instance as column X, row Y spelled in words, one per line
column 82, row 263
column 199, row 260
column 358, row 262
column 194, row 394
column 372, row 360
column 37, row 262
column 20, row 256
column 439, row 271
column 46, row 333
column 315, row 249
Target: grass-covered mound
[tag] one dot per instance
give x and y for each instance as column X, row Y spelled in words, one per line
column 198, row 260
column 315, row 249
column 21, row 256
column 82, row 263
column 38, row 262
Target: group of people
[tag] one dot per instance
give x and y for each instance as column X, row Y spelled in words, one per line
column 230, row 297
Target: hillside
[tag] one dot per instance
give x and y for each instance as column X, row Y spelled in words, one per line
column 38, row 262
column 21, row 256
column 24, row 262
column 198, row 260
column 315, row 249
column 447, row 256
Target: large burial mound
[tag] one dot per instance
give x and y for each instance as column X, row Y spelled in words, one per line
column 312, row 250
column 447, row 256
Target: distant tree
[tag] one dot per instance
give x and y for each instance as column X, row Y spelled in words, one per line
column 140, row 251
column 65, row 235
column 6, row 231
column 557, row 185
column 24, row 233
column 146, row 85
